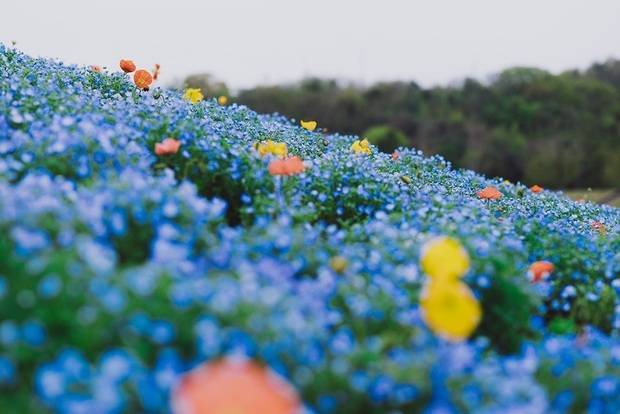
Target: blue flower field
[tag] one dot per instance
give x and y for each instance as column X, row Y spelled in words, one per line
column 123, row 268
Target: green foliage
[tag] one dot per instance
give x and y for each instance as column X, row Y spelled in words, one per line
column 386, row 138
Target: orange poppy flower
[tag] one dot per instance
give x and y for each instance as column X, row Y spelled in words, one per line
column 156, row 71
column 287, row 166
column 231, row 386
column 96, row 68
column 143, row 79
column 395, row 155
column 540, row 270
column 600, row 227
column 489, row 193
column 168, row 146
column 127, row 65
column 536, row 189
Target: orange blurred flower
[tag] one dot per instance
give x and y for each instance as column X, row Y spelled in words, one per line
column 96, row 68
column 536, row 189
column 127, row 65
column 234, row 387
column 489, row 193
column 168, row 146
column 287, row 166
column 143, row 79
column 540, row 270
column 156, row 71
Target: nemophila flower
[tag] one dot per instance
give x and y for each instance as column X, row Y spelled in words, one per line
column 143, row 79
column 193, row 95
column 270, row 147
column 536, row 189
column 127, row 65
column 168, row 146
column 308, row 125
column 489, row 193
column 540, row 270
column 288, row 166
column 450, row 309
column 361, row 146
column 234, row 386
column 222, row 100
column 444, row 258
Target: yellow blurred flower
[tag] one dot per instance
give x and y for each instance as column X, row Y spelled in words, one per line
column 222, row 100
column 309, row 125
column 444, row 258
column 450, row 309
column 193, row 95
column 270, row 147
column 361, row 147
column 338, row 264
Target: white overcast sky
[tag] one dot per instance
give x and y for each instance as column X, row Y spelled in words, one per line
column 248, row 42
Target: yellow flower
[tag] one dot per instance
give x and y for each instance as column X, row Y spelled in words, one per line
column 222, row 100
column 193, row 95
column 338, row 264
column 274, row 148
column 309, row 125
column 444, row 258
column 361, row 147
column 450, row 309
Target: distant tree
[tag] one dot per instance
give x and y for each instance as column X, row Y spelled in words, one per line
column 386, row 138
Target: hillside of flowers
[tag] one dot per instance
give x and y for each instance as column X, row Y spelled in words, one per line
column 163, row 251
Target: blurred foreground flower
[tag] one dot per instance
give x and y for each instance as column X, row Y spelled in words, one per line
column 234, row 387
column 448, row 306
column 489, row 193
column 444, row 258
column 127, row 65
column 450, row 309
column 361, row 146
column 193, row 95
column 143, row 79
column 168, row 146
column 540, row 270
column 309, row 125
column 288, row 166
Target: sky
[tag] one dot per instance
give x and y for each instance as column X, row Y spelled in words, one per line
column 250, row 42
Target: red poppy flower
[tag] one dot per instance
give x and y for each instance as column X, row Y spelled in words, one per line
column 598, row 226
column 489, row 193
column 168, row 146
column 143, row 79
column 540, row 270
column 536, row 189
column 229, row 386
column 287, row 166
column 127, row 65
